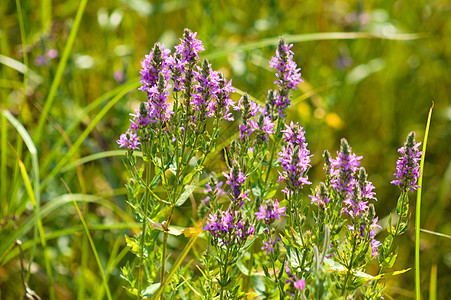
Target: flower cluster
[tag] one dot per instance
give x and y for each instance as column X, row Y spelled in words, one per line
column 189, row 47
column 129, row 140
column 298, row 284
column 321, row 197
column 354, row 190
column 254, row 120
column 288, row 74
column 229, row 227
column 236, row 179
column 213, row 190
column 295, row 159
column 207, row 91
column 407, row 166
column 343, row 168
column 270, row 212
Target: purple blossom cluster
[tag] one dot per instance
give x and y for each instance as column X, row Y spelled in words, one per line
column 156, row 62
column 231, row 227
column 207, row 90
column 254, row 120
column 213, row 191
column 235, row 178
column 228, row 227
column 270, row 212
column 351, row 184
column 408, row 165
column 298, row 284
column 295, row 159
column 189, row 47
column 343, row 168
column 288, row 74
column 321, row 197
column 129, row 140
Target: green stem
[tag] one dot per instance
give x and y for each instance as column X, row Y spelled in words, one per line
column 344, row 292
column 418, row 209
column 143, row 232
column 276, row 144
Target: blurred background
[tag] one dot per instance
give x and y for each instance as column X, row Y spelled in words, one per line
column 372, row 87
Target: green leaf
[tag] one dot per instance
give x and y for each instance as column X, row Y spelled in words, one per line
column 188, row 178
column 389, row 261
column 189, row 190
column 150, row 290
column 271, row 193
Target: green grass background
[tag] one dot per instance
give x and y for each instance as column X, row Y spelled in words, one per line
column 371, row 71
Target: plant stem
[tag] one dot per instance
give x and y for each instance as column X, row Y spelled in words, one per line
column 344, row 292
column 143, row 233
column 276, row 144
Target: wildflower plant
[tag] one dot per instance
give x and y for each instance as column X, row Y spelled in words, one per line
column 260, row 217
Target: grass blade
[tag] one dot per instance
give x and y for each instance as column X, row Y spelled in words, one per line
column 433, row 283
column 31, row 195
column 91, row 242
column 60, row 70
column 309, row 37
column 132, row 84
column 3, row 193
column 88, row 130
column 178, row 262
column 53, row 205
column 418, row 209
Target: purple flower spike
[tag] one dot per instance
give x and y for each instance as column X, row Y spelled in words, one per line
column 295, row 159
column 220, row 104
column 343, row 168
column 321, row 197
column 155, row 62
column 288, row 74
column 270, row 212
column 189, row 47
column 236, row 180
column 407, row 166
column 129, row 140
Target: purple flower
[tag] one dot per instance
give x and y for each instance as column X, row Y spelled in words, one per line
column 41, row 60
column 407, row 166
column 189, row 47
column 156, row 62
column 177, row 68
column 287, row 72
column 321, row 197
column 215, row 191
column 269, row 246
column 343, row 168
column 229, row 227
column 129, row 140
column 270, row 212
column 264, row 128
column 295, row 159
column 236, row 179
column 140, row 117
column 299, row 284
column 119, row 76
column 220, row 104
column 52, row 53
column 294, row 134
column 158, row 101
column 357, row 201
column 289, row 76
column 206, row 89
